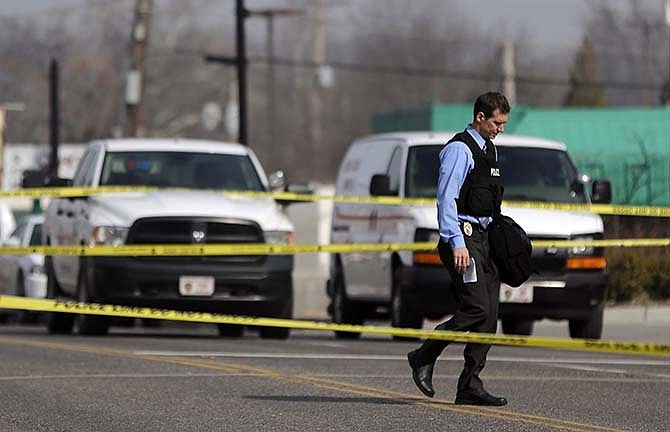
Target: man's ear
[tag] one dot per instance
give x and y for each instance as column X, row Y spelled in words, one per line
column 480, row 117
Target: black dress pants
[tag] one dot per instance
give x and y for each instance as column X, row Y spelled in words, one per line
column 477, row 309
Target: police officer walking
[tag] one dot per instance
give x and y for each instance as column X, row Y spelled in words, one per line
column 469, row 193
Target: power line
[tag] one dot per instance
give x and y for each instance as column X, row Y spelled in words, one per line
column 425, row 72
column 439, row 72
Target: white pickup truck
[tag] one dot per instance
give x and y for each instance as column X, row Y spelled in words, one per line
column 196, row 214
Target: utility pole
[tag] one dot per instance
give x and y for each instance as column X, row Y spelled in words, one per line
column 646, row 94
column 54, row 119
column 315, row 104
column 508, row 72
column 240, row 63
column 270, row 15
column 240, row 40
column 2, row 144
column 139, row 38
column 240, row 59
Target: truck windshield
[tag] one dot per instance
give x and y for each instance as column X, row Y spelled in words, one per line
column 529, row 174
column 180, row 170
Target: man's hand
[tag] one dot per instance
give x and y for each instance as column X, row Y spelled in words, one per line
column 461, row 259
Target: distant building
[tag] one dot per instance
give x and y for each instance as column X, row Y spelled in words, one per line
column 628, row 146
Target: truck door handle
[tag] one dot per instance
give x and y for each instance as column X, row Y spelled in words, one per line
column 59, row 212
column 69, row 214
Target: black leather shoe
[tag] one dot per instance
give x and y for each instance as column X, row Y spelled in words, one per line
column 422, row 375
column 481, row 397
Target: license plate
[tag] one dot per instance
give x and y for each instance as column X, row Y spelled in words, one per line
column 196, row 285
column 521, row 294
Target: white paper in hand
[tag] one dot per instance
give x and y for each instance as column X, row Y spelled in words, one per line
column 470, row 274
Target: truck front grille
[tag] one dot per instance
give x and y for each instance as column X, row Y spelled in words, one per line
column 197, row 231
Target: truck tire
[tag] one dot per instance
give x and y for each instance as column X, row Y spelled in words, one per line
column 588, row 329
column 518, row 327
column 279, row 332
column 23, row 316
column 344, row 310
column 57, row 323
column 88, row 324
column 402, row 314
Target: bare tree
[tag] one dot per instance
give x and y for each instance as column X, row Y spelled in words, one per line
column 585, row 90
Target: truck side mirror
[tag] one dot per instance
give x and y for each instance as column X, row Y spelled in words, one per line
column 602, row 192
column 380, row 185
column 276, row 180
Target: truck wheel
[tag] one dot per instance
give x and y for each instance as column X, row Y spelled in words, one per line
column 57, row 323
column 279, row 332
column 518, row 327
column 402, row 314
column 344, row 310
column 88, row 324
column 588, row 329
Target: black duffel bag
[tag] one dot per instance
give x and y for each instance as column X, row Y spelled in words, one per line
column 511, row 250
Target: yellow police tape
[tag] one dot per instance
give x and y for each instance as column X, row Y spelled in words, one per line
column 290, row 249
column 622, row 210
column 45, row 305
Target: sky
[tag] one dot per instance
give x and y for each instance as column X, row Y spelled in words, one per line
column 553, row 23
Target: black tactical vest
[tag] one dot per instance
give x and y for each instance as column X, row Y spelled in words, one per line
column 482, row 191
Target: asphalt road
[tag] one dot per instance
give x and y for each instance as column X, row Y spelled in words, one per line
column 185, row 378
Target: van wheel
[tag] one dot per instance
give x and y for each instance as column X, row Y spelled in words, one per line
column 344, row 310
column 57, row 323
column 88, row 324
column 588, row 329
column 518, row 327
column 402, row 314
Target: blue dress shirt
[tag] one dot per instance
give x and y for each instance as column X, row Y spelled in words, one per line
column 456, row 162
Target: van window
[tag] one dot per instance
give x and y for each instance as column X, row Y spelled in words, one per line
column 529, row 174
column 394, row 170
column 423, row 164
column 537, row 174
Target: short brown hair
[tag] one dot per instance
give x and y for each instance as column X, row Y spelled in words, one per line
column 489, row 102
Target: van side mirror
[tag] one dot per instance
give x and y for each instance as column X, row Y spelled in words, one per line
column 57, row 182
column 602, row 192
column 380, row 185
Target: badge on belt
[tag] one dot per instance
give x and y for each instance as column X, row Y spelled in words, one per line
column 467, row 228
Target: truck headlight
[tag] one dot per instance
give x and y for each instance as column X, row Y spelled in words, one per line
column 278, row 237
column 108, row 236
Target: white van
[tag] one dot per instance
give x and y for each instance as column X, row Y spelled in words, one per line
column 409, row 286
